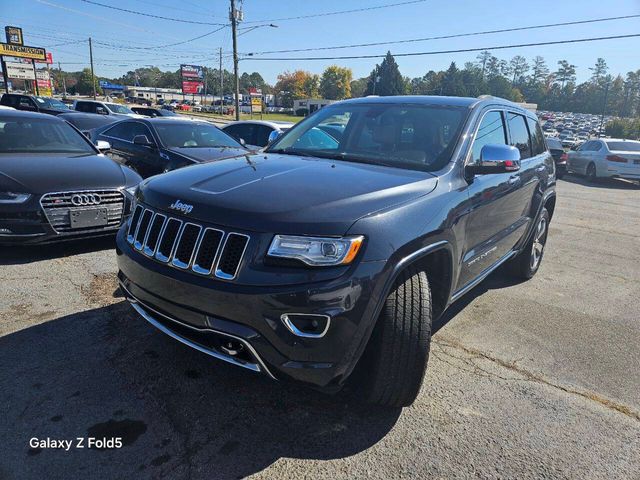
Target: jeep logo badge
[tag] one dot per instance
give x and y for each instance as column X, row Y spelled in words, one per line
column 182, row 207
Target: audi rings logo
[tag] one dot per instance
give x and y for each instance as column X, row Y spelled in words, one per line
column 83, row 199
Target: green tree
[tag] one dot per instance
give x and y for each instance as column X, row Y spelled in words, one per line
column 519, row 67
column 599, row 71
column 385, row 79
column 335, row 83
column 358, row 87
column 83, row 85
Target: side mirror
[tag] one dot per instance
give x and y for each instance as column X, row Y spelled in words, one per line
column 273, row 136
column 495, row 158
column 143, row 140
column 103, row 146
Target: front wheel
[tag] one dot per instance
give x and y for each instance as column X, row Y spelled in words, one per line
column 526, row 263
column 392, row 367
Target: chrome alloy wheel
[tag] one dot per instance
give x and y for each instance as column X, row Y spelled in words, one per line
column 539, row 240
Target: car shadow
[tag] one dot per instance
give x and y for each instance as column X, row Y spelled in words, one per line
column 495, row 281
column 17, row 255
column 106, row 373
column 608, row 183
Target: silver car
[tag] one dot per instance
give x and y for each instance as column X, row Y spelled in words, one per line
column 606, row 158
column 255, row 133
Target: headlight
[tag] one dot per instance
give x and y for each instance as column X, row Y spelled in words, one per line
column 130, row 194
column 12, row 197
column 316, row 251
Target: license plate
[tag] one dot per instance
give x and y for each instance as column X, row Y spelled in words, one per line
column 95, row 217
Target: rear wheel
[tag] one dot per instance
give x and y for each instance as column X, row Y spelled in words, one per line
column 592, row 176
column 526, row 263
column 392, row 367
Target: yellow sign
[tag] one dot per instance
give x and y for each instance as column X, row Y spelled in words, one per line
column 256, row 101
column 23, row 52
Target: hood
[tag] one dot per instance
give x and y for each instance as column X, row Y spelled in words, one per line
column 200, row 154
column 285, row 193
column 38, row 173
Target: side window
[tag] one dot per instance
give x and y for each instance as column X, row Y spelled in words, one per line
column 585, row 147
column 137, row 128
column 491, row 131
column 262, row 135
column 597, row 145
column 241, row 131
column 26, row 102
column 537, row 138
column 519, row 134
column 121, row 131
column 84, row 107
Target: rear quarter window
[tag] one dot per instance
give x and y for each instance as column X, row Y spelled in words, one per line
column 537, row 138
column 519, row 134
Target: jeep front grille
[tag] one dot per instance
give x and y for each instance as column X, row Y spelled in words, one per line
column 187, row 245
column 57, row 207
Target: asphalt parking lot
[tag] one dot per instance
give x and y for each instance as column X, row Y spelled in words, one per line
column 531, row 380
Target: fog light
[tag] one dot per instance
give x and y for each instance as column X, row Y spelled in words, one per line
column 5, row 231
column 306, row 325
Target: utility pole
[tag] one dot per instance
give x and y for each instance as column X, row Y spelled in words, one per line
column 93, row 77
column 604, row 108
column 221, row 86
column 35, row 76
column 64, row 85
column 234, row 21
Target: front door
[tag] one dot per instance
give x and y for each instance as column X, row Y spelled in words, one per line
column 494, row 222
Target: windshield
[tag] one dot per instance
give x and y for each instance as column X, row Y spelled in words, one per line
column 52, row 103
column 629, row 146
column 41, row 136
column 193, row 135
column 116, row 108
column 417, row 137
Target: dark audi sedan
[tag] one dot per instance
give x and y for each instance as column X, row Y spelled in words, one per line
column 155, row 145
column 55, row 184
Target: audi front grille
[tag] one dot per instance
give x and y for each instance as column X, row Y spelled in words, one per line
column 59, row 206
column 187, row 245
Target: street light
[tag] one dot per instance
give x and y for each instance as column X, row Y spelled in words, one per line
column 251, row 29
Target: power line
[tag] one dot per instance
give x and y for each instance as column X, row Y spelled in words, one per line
column 327, row 14
column 458, row 35
column 149, row 14
column 124, row 47
column 439, row 52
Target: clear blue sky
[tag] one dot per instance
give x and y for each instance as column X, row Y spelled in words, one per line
column 51, row 22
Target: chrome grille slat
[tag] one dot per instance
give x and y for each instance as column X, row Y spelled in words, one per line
column 202, row 250
column 183, row 242
column 164, row 251
column 57, row 206
column 150, row 243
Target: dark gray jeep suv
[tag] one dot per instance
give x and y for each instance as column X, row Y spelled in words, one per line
column 325, row 259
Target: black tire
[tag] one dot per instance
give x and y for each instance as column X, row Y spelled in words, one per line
column 561, row 172
column 391, row 371
column 592, row 176
column 527, row 262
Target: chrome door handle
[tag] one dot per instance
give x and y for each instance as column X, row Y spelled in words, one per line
column 514, row 179
column 541, row 168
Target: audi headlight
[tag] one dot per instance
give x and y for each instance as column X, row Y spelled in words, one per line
column 316, row 251
column 13, row 197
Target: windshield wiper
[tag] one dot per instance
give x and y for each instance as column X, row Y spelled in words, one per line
column 292, row 151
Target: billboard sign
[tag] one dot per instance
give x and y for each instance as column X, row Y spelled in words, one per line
column 256, row 104
column 49, row 59
column 110, row 86
column 20, row 71
column 192, row 79
column 34, row 53
column 14, row 35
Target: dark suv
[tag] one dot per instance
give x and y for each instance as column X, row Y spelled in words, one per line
column 326, row 259
column 32, row 103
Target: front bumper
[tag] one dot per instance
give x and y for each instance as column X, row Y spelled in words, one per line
column 186, row 303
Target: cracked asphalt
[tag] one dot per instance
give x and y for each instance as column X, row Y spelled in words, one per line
column 532, row 380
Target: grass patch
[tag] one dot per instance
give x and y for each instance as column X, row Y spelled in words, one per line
column 273, row 117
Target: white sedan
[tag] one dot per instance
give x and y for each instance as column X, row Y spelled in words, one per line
column 606, row 158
